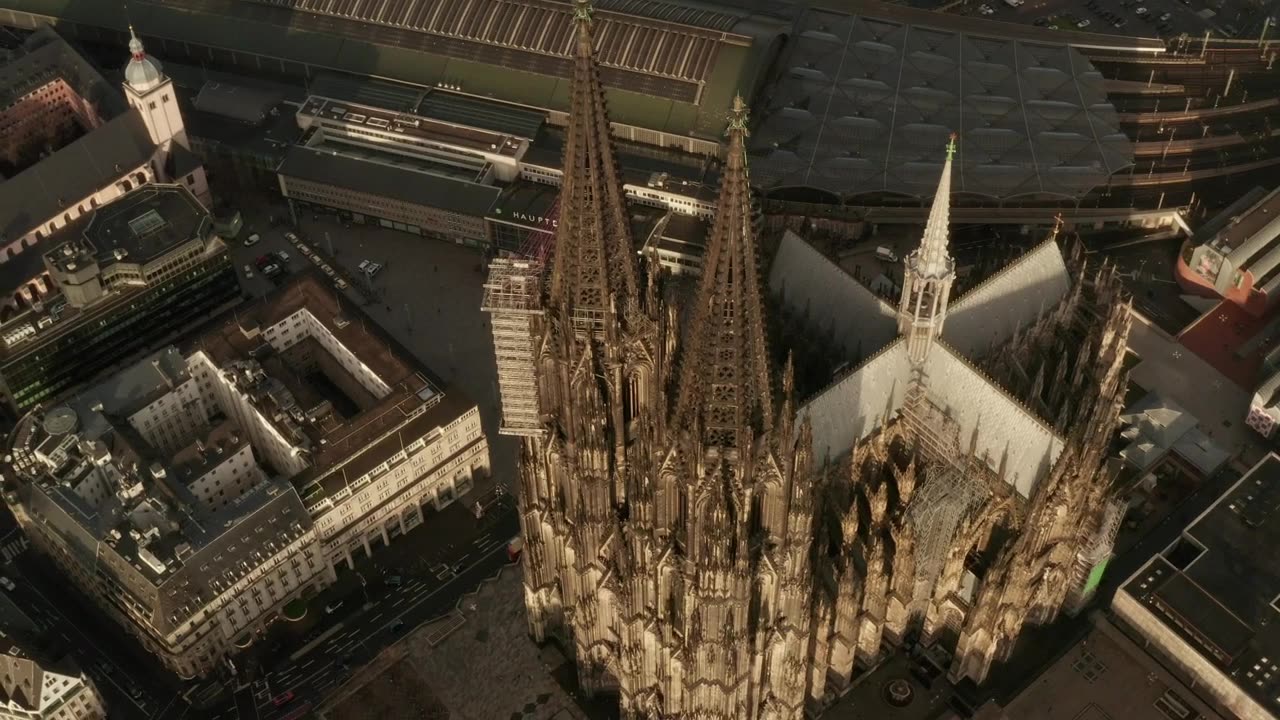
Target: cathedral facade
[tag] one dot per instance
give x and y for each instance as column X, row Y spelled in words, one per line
column 707, row 547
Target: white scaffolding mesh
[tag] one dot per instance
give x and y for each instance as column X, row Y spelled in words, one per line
column 513, row 297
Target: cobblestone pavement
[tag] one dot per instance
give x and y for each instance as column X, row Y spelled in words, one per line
column 476, row 665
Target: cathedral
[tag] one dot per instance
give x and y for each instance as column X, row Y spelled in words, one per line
column 710, row 547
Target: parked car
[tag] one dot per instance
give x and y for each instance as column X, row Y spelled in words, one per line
column 262, row 261
column 282, row 698
column 252, row 239
column 393, row 581
column 886, row 254
column 248, row 271
column 292, row 238
column 364, row 264
column 397, row 627
column 1165, row 17
column 1083, row 24
column 271, row 269
column 7, row 584
column 340, row 284
column 283, row 257
column 372, row 269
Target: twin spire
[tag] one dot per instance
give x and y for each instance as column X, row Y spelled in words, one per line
column 725, row 371
column 593, row 272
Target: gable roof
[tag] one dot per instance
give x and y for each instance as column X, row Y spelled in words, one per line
column 810, row 283
column 78, row 170
column 991, row 312
column 992, row 422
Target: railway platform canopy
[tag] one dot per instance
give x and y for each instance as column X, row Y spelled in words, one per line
column 866, row 94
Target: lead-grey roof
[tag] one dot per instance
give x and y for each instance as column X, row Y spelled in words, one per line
column 71, row 174
column 864, row 104
column 990, row 313
column 831, row 300
column 997, row 426
column 396, row 182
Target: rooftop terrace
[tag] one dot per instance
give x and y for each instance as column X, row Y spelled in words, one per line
column 1217, row 587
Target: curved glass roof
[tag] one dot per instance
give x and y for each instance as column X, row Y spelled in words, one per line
column 866, row 105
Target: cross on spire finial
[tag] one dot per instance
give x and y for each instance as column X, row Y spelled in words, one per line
column 582, row 11
column 951, row 146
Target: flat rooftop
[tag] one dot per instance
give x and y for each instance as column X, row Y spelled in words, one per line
column 147, row 223
column 691, row 175
column 1105, row 675
column 344, row 451
column 407, row 180
column 1250, row 237
column 409, row 126
column 524, row 203
column 1218, row 587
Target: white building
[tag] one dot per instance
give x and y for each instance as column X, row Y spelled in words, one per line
column 195, row 496
column 116, row 147
column 37, row 685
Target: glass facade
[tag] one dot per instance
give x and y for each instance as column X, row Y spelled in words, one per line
column 122, row 326
column 510, row 237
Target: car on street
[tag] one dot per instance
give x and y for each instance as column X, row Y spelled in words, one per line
column 372, row 269
column 248, row 271
column 364, row 264
column 340, row 284
column 333, row 607
column 262, row 261
column 393, row 581
column 292, row 238
column 135, row 692
column 1141, row 11
column 1083, row 23
column 283, row 257
column 1165, row 17
column 306, row 251
column 7, row 584
column 282, row 698
column 397, row 627
column 252, row 239
column 270, row 269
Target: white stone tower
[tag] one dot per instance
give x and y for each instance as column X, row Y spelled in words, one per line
column 926, row 282
column 150, row 91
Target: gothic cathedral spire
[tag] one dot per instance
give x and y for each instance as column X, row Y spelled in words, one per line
column 593, row 274
column 724, row 375
column 926, row 281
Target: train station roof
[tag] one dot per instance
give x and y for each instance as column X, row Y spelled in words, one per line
column 667, row 67
column 866, row 96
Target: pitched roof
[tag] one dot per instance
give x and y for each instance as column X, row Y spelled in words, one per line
column 78, row 170
column 810, row 283
column 990, row 313
column 989, row 420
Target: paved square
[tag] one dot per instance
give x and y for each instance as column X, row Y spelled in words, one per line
column 477, row 664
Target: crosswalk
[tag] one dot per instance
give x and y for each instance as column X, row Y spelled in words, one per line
column 12, row 546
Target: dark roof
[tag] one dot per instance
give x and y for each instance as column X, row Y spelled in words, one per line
column 1223, row 600
column 92, row 162
column 523, row 200
column 147, row 222
column 480, row 113
column 246, row 104
column 865, row 99
column 488, row 65
column 43, row 56
column 397, row 183
column 398, row 97
column 696, row 175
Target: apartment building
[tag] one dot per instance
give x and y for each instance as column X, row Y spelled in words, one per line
column 197, row 493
